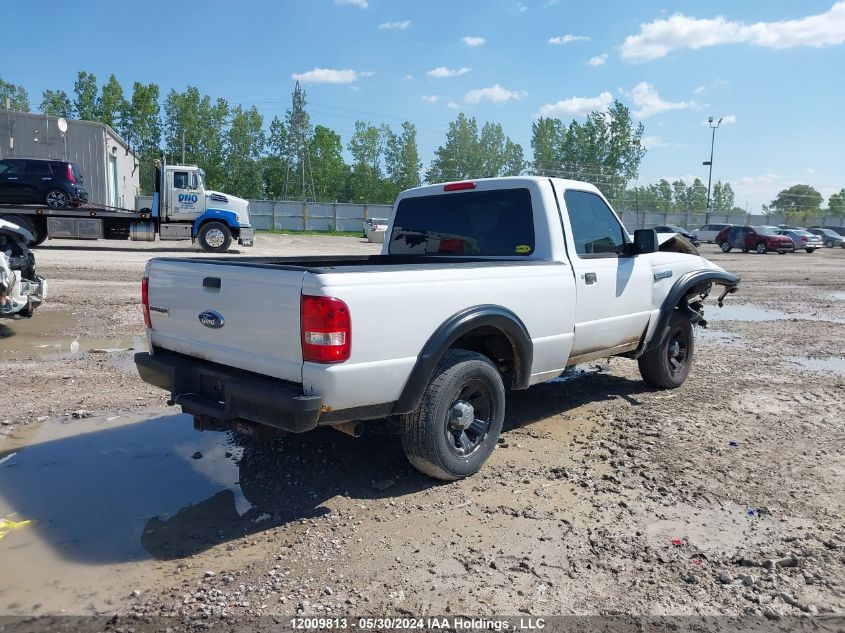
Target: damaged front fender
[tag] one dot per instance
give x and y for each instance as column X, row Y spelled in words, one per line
column 686, row 295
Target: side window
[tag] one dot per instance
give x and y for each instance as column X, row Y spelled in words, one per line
column 9, row 167
column 38, row 167
column 595, row 230
column 180, row 180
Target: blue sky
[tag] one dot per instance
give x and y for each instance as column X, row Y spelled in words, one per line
column 773, row 69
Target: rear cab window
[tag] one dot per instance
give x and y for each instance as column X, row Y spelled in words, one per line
column 497, row 223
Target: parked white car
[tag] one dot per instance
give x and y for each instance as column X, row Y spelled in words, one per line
column 708, row 232
column 21, row 289
column 481, row 286
column 374, row 224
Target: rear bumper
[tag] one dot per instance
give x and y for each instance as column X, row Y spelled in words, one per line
column 224, row 394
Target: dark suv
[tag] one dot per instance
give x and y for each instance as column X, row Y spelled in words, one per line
column 56, row 183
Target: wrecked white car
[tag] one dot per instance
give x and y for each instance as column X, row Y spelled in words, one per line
column 21, row 289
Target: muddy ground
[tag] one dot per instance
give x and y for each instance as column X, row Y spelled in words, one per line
column 726, row 496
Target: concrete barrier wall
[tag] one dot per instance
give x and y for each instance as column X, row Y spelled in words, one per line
column 345, row 216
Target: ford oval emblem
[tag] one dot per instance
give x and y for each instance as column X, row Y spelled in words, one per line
column 212, row 319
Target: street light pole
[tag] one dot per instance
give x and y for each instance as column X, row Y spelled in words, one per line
column 710, row 164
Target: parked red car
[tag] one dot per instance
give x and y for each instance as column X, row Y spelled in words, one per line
column 757, row 238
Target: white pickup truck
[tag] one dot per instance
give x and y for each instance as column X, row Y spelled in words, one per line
column 482, row 286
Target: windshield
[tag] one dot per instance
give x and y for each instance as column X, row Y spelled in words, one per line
column 494, row 223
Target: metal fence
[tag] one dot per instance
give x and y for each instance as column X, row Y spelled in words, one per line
column 345, row 216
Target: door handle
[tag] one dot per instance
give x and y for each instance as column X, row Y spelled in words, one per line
column 590, row 278
column 47, row 178
column 13, row 177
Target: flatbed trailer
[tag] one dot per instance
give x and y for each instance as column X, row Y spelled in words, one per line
column 182, row 209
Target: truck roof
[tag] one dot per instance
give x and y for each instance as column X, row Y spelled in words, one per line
column 501, row 182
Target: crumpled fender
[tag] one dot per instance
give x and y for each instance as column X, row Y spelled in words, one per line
column 685, row 285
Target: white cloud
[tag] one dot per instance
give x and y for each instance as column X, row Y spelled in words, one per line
column 550, row 3
column 401, row 26
column 598, row 60
column 358, row 3
column 699, row 89
column 330, row 76
column 408, row 77
column 645, row 97
column 659, row 38
column 453, row 105
column 762, row 181
column 430, row 98
column 495, row 94
column 521, row 7
column 441, row 72
column 810, row 170
column 577, row 106
column 654, row 142
column 568, row 39
column 472, row 40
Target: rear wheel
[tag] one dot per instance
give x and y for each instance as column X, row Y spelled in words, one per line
column 762, row 249
column 667, row 365
column 809, row 250
column 455, row 428
column 57, row 199
column 215, row 237
column 725, row 246
column 829, row 244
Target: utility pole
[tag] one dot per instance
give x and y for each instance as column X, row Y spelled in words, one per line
column 710, row 164
column 183, row 147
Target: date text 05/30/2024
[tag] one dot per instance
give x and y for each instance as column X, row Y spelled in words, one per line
column 424, row 623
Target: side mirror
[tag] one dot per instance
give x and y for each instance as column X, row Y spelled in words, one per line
column 645, row 241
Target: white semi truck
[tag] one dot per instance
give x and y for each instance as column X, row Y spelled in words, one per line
column 182, row 209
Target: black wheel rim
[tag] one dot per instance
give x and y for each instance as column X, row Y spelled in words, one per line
column 677, row 352
column 56, row 199
column 468, row 418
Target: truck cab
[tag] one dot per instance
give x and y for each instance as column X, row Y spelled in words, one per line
column 187, row 210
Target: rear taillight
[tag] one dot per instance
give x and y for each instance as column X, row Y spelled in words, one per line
column 70, row 175
column 803, row 239
column 145, row 301
column 326, row 328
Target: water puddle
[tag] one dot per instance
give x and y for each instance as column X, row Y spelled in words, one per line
column 839, row 296
column 754, row 313
column 833, row 365
column 715, row 532
column 44, row 336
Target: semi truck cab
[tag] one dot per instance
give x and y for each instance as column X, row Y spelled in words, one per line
column 187, row 210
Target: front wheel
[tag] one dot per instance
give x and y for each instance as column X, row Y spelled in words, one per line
column 215, row 237
column 829, row 244
column 667, row 365
column 455, row 428
column 725, row 246
column 809, row 250
column 762, row 249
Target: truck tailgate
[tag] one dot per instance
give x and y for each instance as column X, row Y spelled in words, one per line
column 250, row 314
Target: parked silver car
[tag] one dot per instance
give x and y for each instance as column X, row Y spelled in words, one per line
column 374, row 224
column 830, row 238
column 803, row 239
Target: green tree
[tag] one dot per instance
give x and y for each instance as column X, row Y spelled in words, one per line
column 112, row 107
column 56, row 103
column 245, row 143
column 402, row 158
column 606, row 149
column 722, row 198
column 201, row 123
column 697, row 197
column 367, row 148
column 331, row 174
column 85, row 104
column 459, row 158
column 274, row 164
column 143, row 130
column 836, row 204
column 499, row 155
column 17, row 96
column 298, row 170
column 680, row 196
column 798, row 202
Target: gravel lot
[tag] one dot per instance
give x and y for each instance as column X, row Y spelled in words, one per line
column 604, row 496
